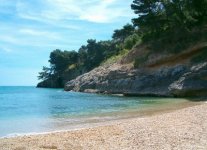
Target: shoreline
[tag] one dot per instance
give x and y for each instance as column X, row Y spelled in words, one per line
column 186, row 124
column 120, row 117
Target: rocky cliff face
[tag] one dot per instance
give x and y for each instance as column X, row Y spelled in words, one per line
column 178, row 80
column 191, row 83
column 160, row 75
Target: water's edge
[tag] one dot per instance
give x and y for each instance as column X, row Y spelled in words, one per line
column 88, row 125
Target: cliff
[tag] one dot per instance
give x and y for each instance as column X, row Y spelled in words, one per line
column 146, row 73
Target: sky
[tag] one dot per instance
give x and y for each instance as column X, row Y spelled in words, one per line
column 31, row 29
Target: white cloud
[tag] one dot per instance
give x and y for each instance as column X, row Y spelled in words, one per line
column 103, row 12
column 52, row 23
column 32, row 32
column 98, row 11
column 32, row 38
column 9, row 39
column 29, row 37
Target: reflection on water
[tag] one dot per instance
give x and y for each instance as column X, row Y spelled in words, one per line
column 28, row 109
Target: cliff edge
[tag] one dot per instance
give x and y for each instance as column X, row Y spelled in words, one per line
column 143, row 73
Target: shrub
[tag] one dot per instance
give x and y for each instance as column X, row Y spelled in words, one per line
column 131, row 40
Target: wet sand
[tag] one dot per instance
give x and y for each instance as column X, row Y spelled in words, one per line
column 184, row 128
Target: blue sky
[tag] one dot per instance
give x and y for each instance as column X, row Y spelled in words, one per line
column 31, row 29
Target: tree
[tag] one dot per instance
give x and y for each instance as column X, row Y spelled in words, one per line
column 121, row 34
column 198, row 10
column 157, row 16
column 45, row 74
column 95, row 53
column 60, row 60
column 150, row 15
column 82, row 52
column 131, row 40
column 109, row 48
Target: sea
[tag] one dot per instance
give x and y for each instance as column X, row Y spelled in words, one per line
column 29, row 110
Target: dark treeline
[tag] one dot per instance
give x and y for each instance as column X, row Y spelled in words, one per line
column 170, row 24
column 162, row 22
column 158, row 16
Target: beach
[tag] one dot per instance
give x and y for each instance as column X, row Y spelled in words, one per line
column 180, row 129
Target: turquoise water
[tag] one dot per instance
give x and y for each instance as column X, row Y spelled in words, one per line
column 33, row 110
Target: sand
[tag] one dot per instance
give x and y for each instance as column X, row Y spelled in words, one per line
column 183, row 129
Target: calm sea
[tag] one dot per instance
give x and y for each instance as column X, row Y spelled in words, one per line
column 30, row 110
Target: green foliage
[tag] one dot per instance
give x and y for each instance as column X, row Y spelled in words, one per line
column 121, row 34
column 59, row 60
column 177, row 40
column 158, row 16
column 71, row 67
column 163, row 24
column 131, row 40
column 115, row 58
column 45, row 74
column 71, row 63
column 109, row 48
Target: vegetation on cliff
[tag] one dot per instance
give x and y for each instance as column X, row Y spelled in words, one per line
column 66, row 65
column 170, row 25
